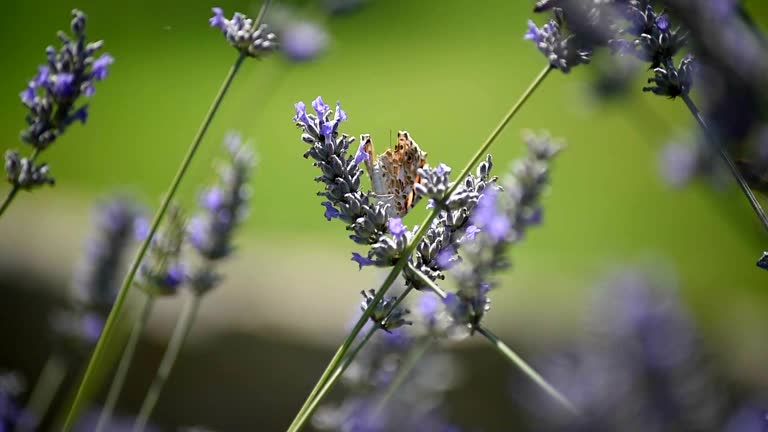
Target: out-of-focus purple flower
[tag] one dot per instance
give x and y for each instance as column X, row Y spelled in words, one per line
column 101, row 65
column 662, row 22
column 532, row 33
column 319, row 106
column 224, row 207
column 471, row 232
column 303, row 40
column 161, row 273
column 218, row 20
column 678, row 163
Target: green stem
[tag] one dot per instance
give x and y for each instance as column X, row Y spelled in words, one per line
column 728, row 161
column 402, row 373
column 15, row 188
column 108, row 331
column 334, row 363
column 180, row 333
column 48, row 384
column 505, row 350
column 125, row 363
column 307, row 414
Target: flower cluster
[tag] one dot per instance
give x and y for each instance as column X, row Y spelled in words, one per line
column 386, row 314
column 250, row 38
column 162, row 272
column 52, row 95
column 23, row 173
column 439, row 248
column 12, row 416
column 632, row 28
column 119, row 223
column 224, row 206
column 502, row 216
column 372, row 404
column 561, row 51
column 661, row 371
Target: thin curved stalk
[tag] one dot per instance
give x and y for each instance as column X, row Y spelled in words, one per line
column 402, row 373
column 307, row 414
column 180, row 333
column 47, row 386
column 125, row 363
column 758, row 209
column 339, row 355
column 109, row 326
column 506, row 351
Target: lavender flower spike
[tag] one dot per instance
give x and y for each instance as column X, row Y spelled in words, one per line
column 162, row 272
column 251, row 38
column 224, row 206
column 52, row 95
column 502, row 217
column 96, row 278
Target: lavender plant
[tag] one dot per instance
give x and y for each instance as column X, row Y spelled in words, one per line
column 635, row 28
column 372, row 223
column 118, row 224
column 54, row 100
column 161, row 275
column 251, row 39
column 223, row 208
column 661, row 379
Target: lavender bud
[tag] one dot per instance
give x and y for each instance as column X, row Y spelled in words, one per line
column 250, row 38
column 383, row 315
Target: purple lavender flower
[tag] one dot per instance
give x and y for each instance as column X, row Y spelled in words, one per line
column 303, row 40
column 225, row 206
column 250, row 38
column 561, row 51
column 660, row 371
column 161, row 273
column 97, row 276
column 51, row 96
column 501, row 218
column 396, row 227
column 361, row 260
column 678, row 163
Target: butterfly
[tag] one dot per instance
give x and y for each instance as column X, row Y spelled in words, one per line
column 394, row 173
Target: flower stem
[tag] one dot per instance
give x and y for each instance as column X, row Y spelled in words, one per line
column 505, row 350
column 334, row 363
column 15, row 188
column 307, row 414
column 180, row 333
column 107, row 333
column 402, row 373
column 125, row 363
column 728, row 161
column 47, row 385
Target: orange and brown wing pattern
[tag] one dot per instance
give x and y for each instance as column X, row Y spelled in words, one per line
column 394, row 173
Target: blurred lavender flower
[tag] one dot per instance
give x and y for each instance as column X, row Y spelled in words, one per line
column 118, row 223
column 385, row 314
column 502, row 216
column 251, row 38
column 11, row 414
column 678, row 163
column 670, row 81
column 414, row 406
column 161, row 273
column 658, row 381
column 303, row 40
column 224, row 206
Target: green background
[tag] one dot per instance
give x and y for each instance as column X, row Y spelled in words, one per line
column 445, row 71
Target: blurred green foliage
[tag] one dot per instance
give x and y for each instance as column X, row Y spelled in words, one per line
column 446, row 71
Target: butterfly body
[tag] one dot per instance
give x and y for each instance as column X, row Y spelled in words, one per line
column 395, row 172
